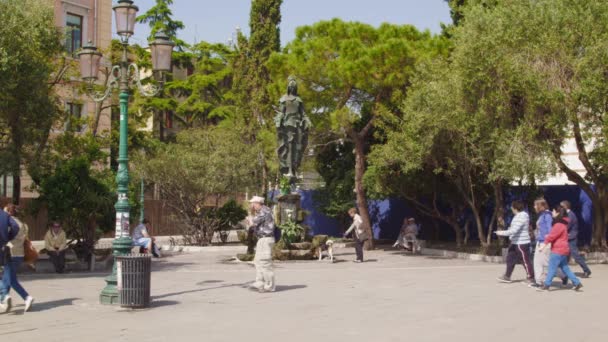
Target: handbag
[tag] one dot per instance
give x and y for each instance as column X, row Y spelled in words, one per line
column 364, row 236
column 30, row 252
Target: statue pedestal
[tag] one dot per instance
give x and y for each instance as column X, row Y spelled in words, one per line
column 289, row 208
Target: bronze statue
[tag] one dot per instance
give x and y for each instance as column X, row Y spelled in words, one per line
column 292, row 130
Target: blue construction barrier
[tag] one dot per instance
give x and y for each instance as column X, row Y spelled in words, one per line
column 387, row 215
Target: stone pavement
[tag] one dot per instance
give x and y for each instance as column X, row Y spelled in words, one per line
column 391, row 297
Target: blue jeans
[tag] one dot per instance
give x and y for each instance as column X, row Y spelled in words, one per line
column 9, row 279
column 559, row 261
column 142, row 242
column 574, row 253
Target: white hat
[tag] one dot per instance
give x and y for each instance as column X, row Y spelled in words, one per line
column 257, row 199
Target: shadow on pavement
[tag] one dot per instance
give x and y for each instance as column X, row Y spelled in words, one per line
column 282, row 288
column 197, row 290
column 44, row 306
column 209, row 282
column 161, row 303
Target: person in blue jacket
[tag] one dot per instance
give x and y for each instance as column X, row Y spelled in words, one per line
column 8, row 230
column 544, row 223
column 573, row 240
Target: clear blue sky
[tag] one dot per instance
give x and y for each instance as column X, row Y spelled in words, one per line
column 216, row 20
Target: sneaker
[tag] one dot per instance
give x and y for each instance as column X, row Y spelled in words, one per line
column 28, row 303
column 358, row 261
column 578, row 287
column 565, row 281
column 505, row 279
column 256, row 286
column 534, row 285
column 6, row 305
column 542, row 288
column 587, row 274
column 270, row 289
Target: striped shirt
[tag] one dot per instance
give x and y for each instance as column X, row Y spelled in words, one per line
column 518, row 230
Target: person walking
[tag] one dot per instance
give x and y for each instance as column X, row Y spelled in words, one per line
column 560, row 250
column 519, row 249
column 9, row 278
column 544, row 224
column 573, row 240
column 262, row 225
column 55, row 243
column 360, row 235
column 8, row 231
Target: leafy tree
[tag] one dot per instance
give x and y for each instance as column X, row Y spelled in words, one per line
column 206, row 96
column 75, row 191
column 550, row 56
column 355, row 74
column 335, row 163
column 27, row 74
column 201, row 164
column 252, row 80
column 456, row 9
column 160, row 18
column 252, row 75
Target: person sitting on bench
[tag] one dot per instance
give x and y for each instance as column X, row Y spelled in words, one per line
column 141, row 237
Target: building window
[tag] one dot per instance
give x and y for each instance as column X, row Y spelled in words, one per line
column 74, row 111
column 73, row 24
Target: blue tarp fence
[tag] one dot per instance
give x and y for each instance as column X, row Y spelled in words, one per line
column 387, row 215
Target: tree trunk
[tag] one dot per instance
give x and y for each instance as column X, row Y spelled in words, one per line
column 458, row 232
column 467, row 232
column 480, row 233
column 265, row 188
column 16, row 188
column 598, row 238
column 600, row 219
column 360, row 191
column 499, row 207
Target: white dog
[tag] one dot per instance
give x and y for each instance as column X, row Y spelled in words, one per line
column 329, row 248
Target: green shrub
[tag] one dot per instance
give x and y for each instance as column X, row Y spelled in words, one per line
column 291, row 232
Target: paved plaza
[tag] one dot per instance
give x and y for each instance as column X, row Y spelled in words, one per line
column 391, row 297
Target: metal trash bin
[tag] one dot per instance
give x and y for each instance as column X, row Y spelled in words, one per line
column 133, row 280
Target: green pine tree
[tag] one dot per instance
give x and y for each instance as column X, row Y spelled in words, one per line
column 252, row 79
column 160, row 18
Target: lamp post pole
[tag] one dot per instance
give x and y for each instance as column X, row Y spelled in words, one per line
column 122, row 242
column 122, row 76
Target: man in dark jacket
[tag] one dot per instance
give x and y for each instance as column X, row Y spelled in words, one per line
column 573, row 239
column 8, row 230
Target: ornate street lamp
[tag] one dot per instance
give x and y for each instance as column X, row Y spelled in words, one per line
column 124, row 76
column 125, row 13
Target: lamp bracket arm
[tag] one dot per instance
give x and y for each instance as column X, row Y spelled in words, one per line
column 111, row 82
column 148, row 90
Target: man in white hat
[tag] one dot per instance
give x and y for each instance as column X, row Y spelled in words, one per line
column 262, row 224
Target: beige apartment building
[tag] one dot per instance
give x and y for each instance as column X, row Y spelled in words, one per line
column 83, row 21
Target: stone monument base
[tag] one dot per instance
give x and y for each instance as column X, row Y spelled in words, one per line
column 289, row 208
